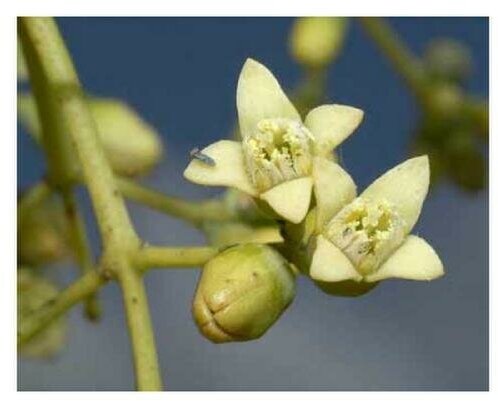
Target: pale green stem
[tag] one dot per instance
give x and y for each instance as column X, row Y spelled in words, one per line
column 147, row 372
column 60, row 159
column 192, row 211
column 81, row 248
column 156, row 256
column 77, row 291
column 406, row 64
column 55, row 79
column 311, row 91
column 32, row 197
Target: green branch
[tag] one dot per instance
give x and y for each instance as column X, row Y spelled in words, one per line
column 62, row 104
column 147, row 372
column 192, row 211
column 155, row 256
column 60, row 155
column 32, row 197
column 81, row 248
column 60, row 97
column 75, row 293
column 406, row 64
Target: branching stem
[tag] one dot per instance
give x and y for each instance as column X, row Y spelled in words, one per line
column 60, row 97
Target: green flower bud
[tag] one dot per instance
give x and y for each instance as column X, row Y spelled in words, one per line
column 42, row 235
column 131, row 145
column 446, row 100
column 453, row 142
column 448, row 60
column 466, row 165
column 316, row 41
column 242, row 292
column 32, row 292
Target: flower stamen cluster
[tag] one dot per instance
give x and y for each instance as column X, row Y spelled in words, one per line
column 279, row 151
column 367, row 232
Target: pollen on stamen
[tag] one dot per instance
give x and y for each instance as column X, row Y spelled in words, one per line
column 367, row 232
column 279, row 150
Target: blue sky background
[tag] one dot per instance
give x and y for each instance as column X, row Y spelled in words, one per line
column 180, row 74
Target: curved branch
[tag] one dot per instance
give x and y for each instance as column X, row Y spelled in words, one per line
column 75, row 293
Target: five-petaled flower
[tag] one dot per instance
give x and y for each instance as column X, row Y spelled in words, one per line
column 366, row 238
column 278, row 153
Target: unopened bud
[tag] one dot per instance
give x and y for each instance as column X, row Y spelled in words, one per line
column 42, row 235
column 447, row 100
column 448, row 60
column 34, row 291
column 242, row 292
column 131, row 145
column 316, row 41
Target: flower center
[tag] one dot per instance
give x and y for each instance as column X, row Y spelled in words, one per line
column 367, row 232
column 279, row 150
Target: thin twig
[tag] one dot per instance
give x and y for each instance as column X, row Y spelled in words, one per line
column 57, row 90
column 193, row 211
column 167, row 257
column 81, row 248
column 405, row 63
column 54, row 308
column 32, row 197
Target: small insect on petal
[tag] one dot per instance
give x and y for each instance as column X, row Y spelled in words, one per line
column 347, row 232
column 197, row 154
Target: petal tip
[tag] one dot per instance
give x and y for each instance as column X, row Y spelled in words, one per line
column 251, row 66
column 358, row 113
column 421, row 165
column 290, row 199
column 329, row 264
column 422, row 161
column 332, row 124
column 250, row 62
column 415, row 259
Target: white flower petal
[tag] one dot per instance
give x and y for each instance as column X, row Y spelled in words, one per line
column 260, row 96
column 291, row 199
column 229, row 169
column 331, row 124
column 330, row 264
column 405, row 186
column 414, row 260
column 334, row 188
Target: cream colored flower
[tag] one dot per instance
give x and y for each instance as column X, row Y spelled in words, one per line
column 274, row 161
column 368, row 239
